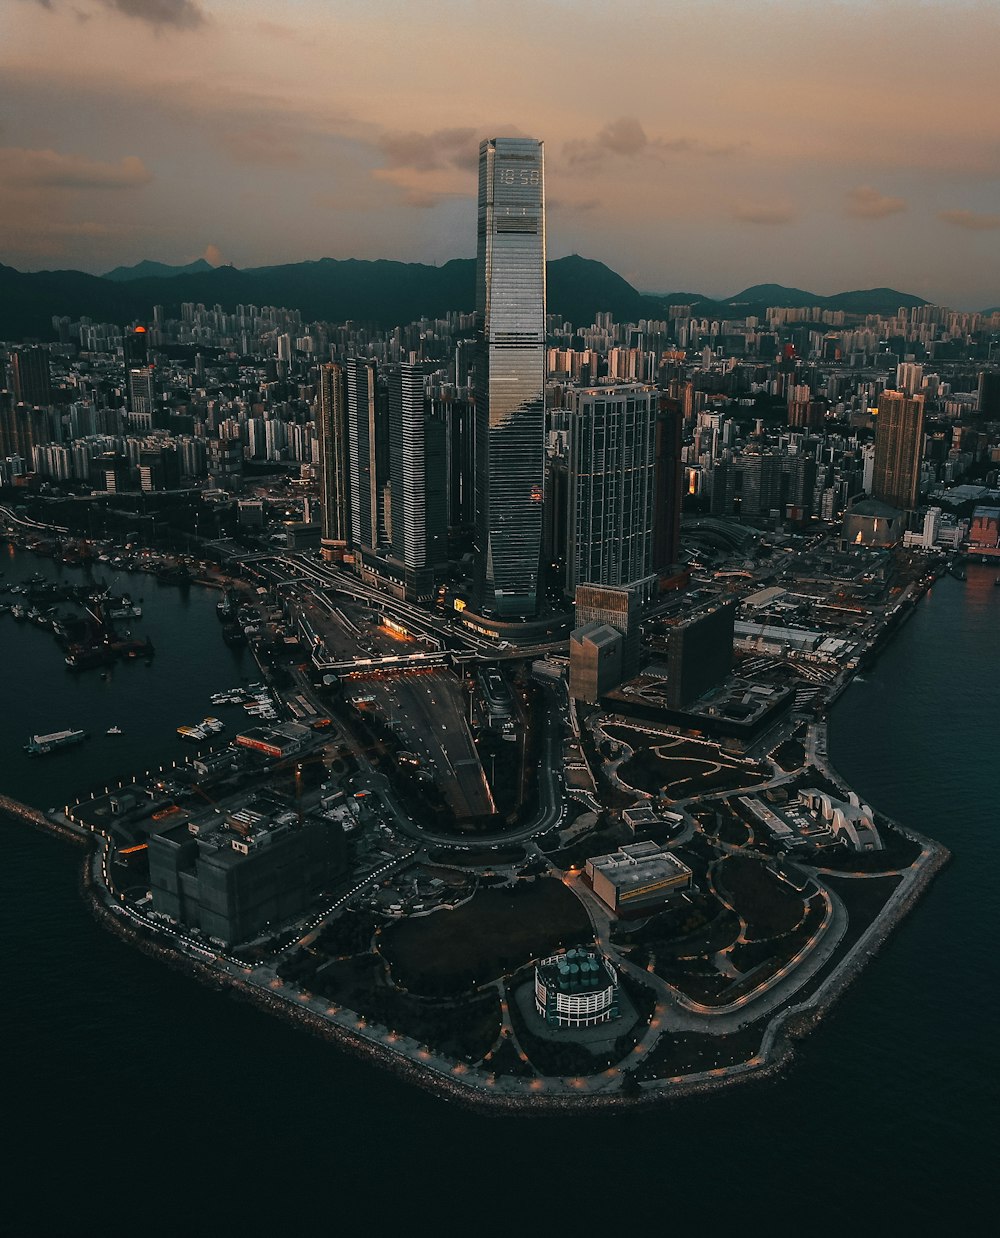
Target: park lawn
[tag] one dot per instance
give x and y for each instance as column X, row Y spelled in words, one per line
column 499, row 930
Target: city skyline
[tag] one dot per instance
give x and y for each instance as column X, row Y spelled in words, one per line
column 775, row 143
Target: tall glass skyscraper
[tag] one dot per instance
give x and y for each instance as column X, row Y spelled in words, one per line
column 612, row 486
column 510, row 375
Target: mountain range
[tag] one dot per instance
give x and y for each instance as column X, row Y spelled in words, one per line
column 383, row 293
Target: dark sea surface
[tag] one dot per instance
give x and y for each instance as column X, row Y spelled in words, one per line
column 138, row 1101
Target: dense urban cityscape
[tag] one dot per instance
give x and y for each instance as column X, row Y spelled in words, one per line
column 531, row 800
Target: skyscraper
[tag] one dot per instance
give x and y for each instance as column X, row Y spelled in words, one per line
column 899, row 438
column 610, row 509
column 331, row 427
column 668, row 488
column 369, row 457
column 30, row 376
column 510, row 375
column 419, row 482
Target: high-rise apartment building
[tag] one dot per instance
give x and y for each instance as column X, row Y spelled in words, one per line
column 899, row 437
column 510, row 375
column 331, row 427
column 369, row 457
column 612, row 485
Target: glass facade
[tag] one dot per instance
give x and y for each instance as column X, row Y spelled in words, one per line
column 510, row 375
column 612, row 439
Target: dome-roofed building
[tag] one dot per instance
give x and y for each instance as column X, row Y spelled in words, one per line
column 578, row 988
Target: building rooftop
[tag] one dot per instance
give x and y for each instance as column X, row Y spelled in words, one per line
column 638, row 864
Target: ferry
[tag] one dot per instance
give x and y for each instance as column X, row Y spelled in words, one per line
column 214, row 725
column 38, row 745
column 193, row 733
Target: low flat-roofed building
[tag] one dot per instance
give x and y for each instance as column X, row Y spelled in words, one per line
column 641, row 818
column 816, row 819
column 763, row 597
column 283, row 740
column 638, row 877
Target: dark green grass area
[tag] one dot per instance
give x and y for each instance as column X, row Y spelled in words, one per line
column 769, row 907
column 683, row 776
column 452, row 951
column 464, row 1028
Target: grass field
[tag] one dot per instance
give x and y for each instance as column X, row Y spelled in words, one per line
column 452, row 951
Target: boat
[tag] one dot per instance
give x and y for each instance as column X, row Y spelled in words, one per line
column 226, row 609
column 193, row 733
column 39, row 745
column 124, row 608
column 211, row 724
column 233, row 634
column 82, row 657
column 114, row 730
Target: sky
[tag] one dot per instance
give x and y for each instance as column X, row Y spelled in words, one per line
column 692, row 146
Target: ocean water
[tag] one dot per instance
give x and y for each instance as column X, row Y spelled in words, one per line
column 138, row 1100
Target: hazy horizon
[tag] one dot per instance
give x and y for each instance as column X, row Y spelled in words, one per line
column 699, row 147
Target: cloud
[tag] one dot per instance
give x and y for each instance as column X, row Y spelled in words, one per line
column 213, row 255
column 864, row 202
column 48, row 169
column 974, row 221
column 264, row 143
column 762, row 213
column 564, row 206
column 430, row 152
column 181, row 14
column 626, row 138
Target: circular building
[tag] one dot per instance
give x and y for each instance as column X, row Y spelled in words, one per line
column 576, row 989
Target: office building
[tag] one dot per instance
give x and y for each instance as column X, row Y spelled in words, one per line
column 668, row 488
column 142, row 393
column 458, row 415
column 30, row 376
column 612, row 486
column 135, row 347
column 255, row 868
column 699, row 649
column 637, row 878
column 418, row 460
column 618, row 608
column 595, row 662
column 988, row 394
column 22, row 428
column 368, row 452
column 899, row 438
column 510, row 375
column 331, row 428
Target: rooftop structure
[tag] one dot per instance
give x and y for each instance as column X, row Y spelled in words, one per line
column 576, row 989
column 638, row 877
column 817, row 819
column 230, row 876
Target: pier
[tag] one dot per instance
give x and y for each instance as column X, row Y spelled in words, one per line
column 41, row 820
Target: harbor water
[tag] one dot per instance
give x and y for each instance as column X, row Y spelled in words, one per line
column 140, row 1101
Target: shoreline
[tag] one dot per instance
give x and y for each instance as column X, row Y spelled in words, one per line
column 470, row 1085
column 777, row 1047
